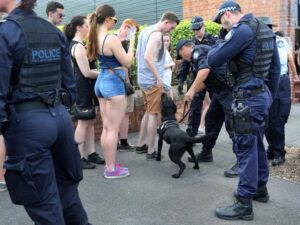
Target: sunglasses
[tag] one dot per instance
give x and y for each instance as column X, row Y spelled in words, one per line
column 114, row 18
column 60, row 15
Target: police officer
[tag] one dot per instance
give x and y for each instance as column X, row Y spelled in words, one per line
column 200, row 37
column 214, row 80
column 43, row 165
column 281, row 106
column 251, row 52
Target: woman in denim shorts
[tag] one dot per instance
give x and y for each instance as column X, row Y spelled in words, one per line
column 109, row 87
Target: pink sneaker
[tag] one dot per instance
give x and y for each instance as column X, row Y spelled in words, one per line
column 118, row 172
column 118, row 165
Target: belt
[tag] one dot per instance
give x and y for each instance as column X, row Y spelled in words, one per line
column 244, row 93
column 28, row 106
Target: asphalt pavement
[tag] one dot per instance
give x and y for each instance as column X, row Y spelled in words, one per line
column 151, row 197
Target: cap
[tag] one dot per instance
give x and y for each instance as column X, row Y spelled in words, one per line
column 196, row 22
column 266, row 20
column 226, row 6
column 179, row 45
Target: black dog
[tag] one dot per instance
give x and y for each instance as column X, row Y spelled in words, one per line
column 179, row 140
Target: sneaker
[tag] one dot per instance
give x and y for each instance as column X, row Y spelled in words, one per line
column 87, row 165
column 95, row 158
column 126, row 148
column 118, row 172
column 142, row 149
column 201, row 130
column 3, row 186
column 151, row 156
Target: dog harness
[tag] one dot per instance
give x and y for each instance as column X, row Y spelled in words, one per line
column 166, row 125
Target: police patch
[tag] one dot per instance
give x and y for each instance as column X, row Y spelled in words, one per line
column 229, row 35
column 195, row 56
column 45, row 55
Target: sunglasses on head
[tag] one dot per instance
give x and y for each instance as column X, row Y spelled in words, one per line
column 60, row 15
column 114, row 18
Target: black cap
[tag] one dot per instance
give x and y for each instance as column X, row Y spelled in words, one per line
column 179, row 45
column 266, row 20
column 196, row 22
column 226, row 6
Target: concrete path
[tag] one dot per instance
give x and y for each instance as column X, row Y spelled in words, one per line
column 151, row 197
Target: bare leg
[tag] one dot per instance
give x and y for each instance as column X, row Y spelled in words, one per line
column 151, row 132
column 143, row 130
column 80, row 134
column 124, row 127
column 2, row 157
column 205, row 107
column 90, row 138
column 112, row 112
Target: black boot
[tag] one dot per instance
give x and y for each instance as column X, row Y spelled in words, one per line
column 232, row 172
column 204, row 156
column 278, row 160
column 241, row 209
column 261, row 194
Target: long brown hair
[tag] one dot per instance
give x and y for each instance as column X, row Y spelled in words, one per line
column 28, row 5
column 97, row 18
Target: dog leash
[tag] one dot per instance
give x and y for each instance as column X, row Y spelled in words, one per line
column 184, row 114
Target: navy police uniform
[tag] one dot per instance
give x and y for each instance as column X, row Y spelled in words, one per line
column 280, row 109
column 220, row 106
column 43, row 166
column 197, row 101
column 251, row 52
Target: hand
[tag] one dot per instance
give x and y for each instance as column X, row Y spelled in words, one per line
column 159, row 82
column 180, row 88
column 189, row 95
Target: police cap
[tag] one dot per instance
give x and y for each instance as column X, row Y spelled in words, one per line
column 179, row 45
column 226, row 6
column 196, row 23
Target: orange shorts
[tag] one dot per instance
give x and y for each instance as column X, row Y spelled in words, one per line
column 152, row 99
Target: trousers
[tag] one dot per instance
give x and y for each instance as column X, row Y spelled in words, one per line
column 248, row 146
column 278, row 117
column 43, row 166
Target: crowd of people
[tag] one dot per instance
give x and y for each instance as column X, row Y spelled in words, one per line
column 238, row 78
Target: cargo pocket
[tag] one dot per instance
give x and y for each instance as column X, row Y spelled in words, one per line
column 285, row 108
column 19, row 181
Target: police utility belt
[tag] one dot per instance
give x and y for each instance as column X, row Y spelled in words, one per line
column 32, row 105
column 246, row 93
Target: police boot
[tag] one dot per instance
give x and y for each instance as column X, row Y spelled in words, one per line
column 261, row 194
column 204, row 156
column 278, row 160
column 241, row 209
column 232, row 172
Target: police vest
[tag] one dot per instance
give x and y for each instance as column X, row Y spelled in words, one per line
column 40, row 71
column 243, row 71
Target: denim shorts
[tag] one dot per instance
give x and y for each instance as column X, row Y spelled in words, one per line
column 109, row 84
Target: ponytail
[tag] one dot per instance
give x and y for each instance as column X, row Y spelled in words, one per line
column 92, row 46
column 71, row 28
column 97, row 18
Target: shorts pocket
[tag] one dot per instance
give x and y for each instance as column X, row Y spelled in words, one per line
column 19, row 181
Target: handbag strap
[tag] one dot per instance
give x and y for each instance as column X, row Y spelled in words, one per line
column 109, row 67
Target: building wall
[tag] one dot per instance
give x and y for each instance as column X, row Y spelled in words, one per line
column 144, row 11
column 281, row 11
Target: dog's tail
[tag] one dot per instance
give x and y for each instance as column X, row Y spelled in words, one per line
column 199, row 139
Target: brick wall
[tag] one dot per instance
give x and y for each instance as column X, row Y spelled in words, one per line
column 135, row 118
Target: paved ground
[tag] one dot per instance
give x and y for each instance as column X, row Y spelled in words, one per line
column 151, row 197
